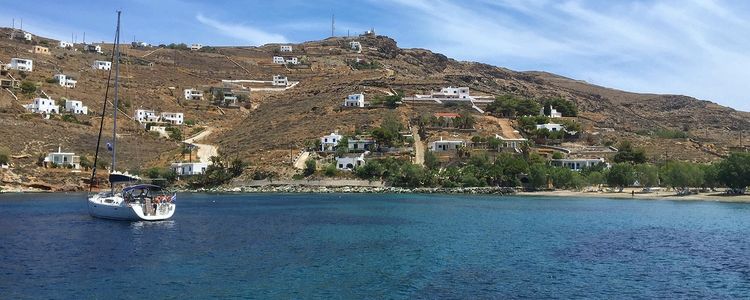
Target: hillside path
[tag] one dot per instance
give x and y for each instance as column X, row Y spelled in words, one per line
column 300, row 162
column 418, row 146
column 205, row 151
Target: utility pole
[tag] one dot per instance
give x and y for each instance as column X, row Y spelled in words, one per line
column 84, row 38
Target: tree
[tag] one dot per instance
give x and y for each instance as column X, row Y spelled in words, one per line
column 538, row 176
column 734, row 171
column 682, row 175
column 620, row 175
column 28, row 87
column 331, row 170
column 310, row 167
column 564, row 107
column 595, row 178
column 647, row 175
column 627, row 153
column 342, row 147
column 388, row 132
column 431, row 160
column 85, row 162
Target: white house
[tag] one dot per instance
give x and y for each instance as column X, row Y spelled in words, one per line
column 65, row 80
column 349, row 162
column 63, row 159
column 193, row 94
column 511, row 142
column 552, row 113
column 188, row 169
column 446, row 145
column 286, row 48
column 292, row 60
column 102, row 65
column 551, row 127
column 43, row 106
column 28, row 36
column 196, row 47
column 280, row 80
column 64, row 44
column 280, row 60
column 76, row 107
column 329, row 142
column 21, row 64
column 146, row 115
column 355, row 46
column 451, row 92
column 355, row 100
column 174, row 118
column 92, row 48
column 577, row 164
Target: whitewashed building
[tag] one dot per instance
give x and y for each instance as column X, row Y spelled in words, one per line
column 146, row 115
column 292, row 60
column 514, row 143
column 286, row 48
column 553, row 113
column 355, row 46
column 196, row 47
column 329, row 142
column 28, row 36
column 280, row 80
column 190, row 168
column 172, row 117
column 76, row 107
column 279, row 60
column 21, row 64
column 64, row 44
column 551, row 127
column 193, row 94
column 43, row 106
column 453, row 92
column 577, row 164
column 446, row 145
column 102, row 65
column 355, row 100
column 63, row 159
column 350, row 161
column 65, row 80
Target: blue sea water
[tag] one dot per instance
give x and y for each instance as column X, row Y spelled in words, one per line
column 344, row 246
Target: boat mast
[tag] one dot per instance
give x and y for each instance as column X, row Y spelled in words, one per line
column 117, row 85
column 104, row 109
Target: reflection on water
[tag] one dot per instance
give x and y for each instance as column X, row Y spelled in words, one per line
column 140, row 225
column 377, row 246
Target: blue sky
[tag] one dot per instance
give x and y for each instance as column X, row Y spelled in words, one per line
column 699, row 48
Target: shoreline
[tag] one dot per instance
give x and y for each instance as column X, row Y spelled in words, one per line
column 504, row 191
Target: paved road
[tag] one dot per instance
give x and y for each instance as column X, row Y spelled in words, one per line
column 205, row 151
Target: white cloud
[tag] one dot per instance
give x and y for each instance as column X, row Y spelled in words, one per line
column 242, row 32
column 696, row 47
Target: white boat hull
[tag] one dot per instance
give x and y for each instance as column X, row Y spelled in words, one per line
column 113, row 208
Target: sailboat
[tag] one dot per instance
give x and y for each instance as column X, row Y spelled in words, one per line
column 127, row 198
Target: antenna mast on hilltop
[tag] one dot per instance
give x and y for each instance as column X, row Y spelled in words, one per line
column 333, row 25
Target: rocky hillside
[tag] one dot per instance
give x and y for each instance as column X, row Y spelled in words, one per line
column 275, row 122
